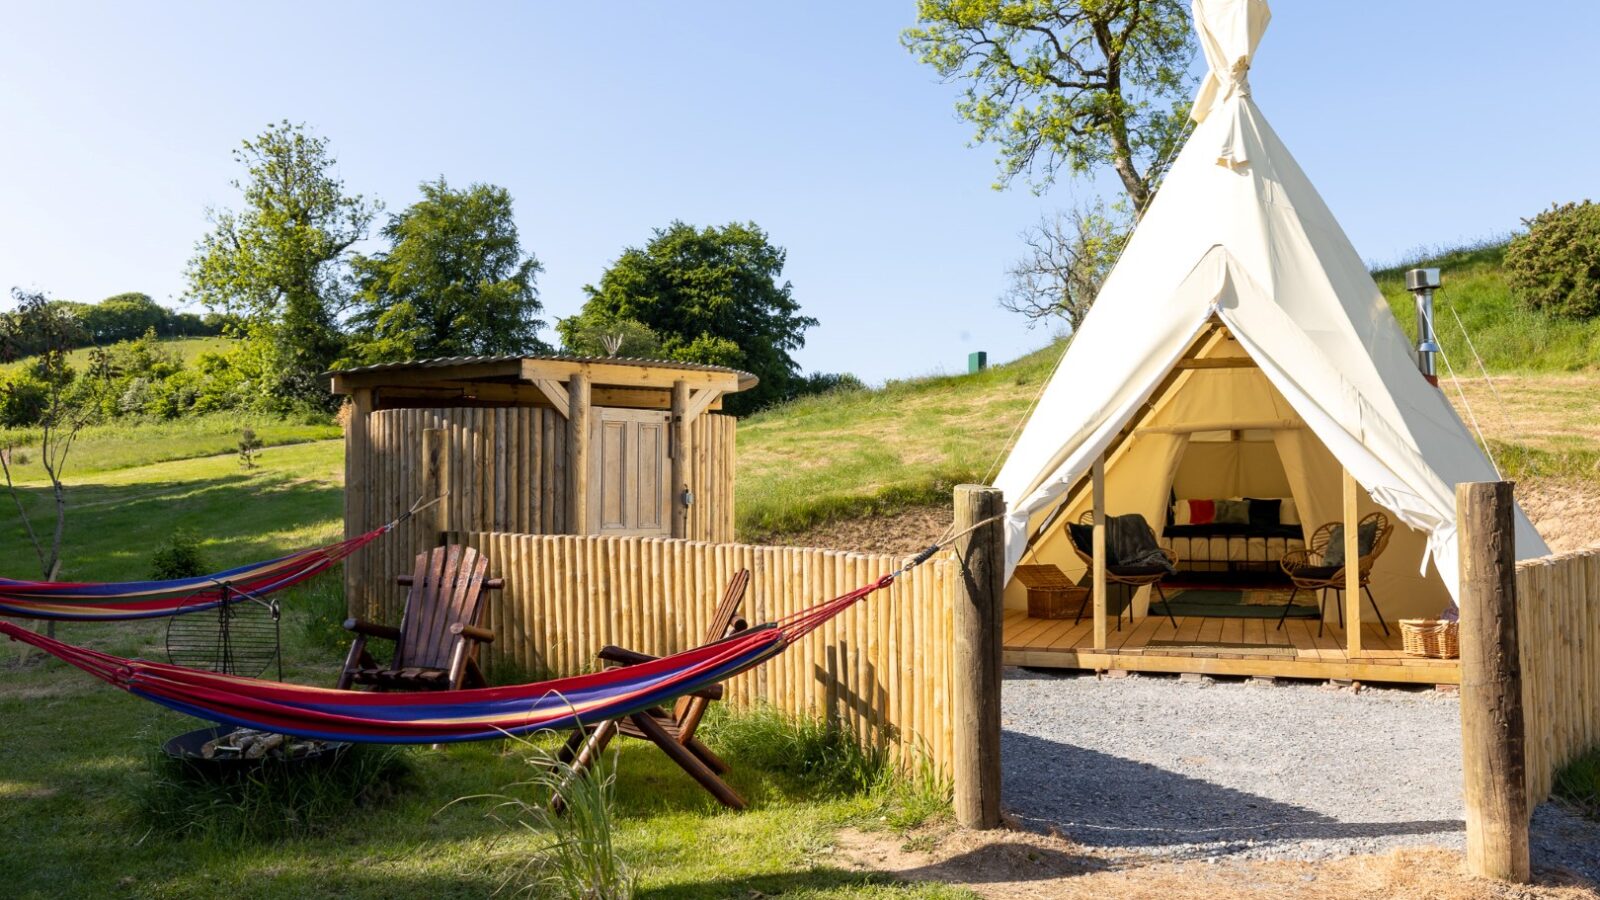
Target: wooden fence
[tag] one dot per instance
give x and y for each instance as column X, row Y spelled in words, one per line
column 1558, row 603
column 881, row 668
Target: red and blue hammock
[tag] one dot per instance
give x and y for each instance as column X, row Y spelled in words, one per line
column 111, row 601
column 444, row 716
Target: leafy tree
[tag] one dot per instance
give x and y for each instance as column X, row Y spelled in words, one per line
column 1068, row 258
column 712, row 296
column 1078, row 84
column 281, row 263
column 1555, row 266
column 66, row 406
column 598, row 334
column 454, row 281
column 124, row 317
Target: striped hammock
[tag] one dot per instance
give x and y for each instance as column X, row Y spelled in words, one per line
column 111, row 601
column 444, row 716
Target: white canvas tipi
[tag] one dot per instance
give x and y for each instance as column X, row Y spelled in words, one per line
column 1237, row 235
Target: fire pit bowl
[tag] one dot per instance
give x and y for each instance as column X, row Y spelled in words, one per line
column 188, row 749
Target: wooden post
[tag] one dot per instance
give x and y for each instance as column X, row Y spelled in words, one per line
column 975, row 659
column 431, row 523
column 1352, row 567
column 1493, row 753
column 356, row 492
column 578, row 453
column 682, row 452
column 1098, row 477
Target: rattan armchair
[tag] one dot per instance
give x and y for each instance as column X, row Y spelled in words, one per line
column 1134, row 577
column 1308, row 569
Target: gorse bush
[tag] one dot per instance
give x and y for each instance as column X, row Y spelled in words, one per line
column 1555, row 266
column 179, row 556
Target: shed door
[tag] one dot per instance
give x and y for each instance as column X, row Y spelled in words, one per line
column 628, row 493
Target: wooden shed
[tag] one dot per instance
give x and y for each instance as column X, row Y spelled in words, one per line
column 534, row 445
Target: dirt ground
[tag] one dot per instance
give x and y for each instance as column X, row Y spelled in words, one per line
column 1022, row 865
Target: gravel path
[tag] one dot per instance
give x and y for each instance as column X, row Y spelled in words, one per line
column 1151, row 765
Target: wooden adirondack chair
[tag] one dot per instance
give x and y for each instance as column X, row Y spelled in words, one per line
column 673, row 732
column 436, row 645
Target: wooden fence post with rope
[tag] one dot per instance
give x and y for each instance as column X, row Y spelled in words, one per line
column 975, row 665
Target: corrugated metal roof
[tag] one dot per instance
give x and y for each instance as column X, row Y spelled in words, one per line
column 608, row 360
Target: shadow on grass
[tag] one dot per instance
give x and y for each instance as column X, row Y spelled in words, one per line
column 113, row 529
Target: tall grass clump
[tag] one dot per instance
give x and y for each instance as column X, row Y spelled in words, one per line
column 319, row 606
column 810, row 752
column 1578, row 783
column 273, row 801
column 577, row 858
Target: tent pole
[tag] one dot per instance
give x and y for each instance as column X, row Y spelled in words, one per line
column 1098, row 476
column 1352, row 568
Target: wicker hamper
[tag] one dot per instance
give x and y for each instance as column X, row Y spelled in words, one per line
column 1433, row 638
column 1051, row 594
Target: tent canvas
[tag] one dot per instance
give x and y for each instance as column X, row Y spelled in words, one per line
column 1238, row 255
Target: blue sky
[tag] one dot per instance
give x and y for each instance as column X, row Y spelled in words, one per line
column 1420, row 122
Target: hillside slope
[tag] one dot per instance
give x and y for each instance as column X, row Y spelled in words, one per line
column 1509, row 337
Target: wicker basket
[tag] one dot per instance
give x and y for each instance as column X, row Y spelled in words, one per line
column 1051, row 594
column 1432, row 638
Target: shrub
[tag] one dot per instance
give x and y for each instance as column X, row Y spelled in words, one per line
column 1555, row 267
column 822, row 757
column 249, row 446
column 178, row 557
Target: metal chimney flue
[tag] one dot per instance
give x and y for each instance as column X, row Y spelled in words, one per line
column 1422, row 283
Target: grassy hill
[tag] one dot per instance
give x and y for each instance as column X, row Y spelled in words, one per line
column 1509, row 337
column 186, row 348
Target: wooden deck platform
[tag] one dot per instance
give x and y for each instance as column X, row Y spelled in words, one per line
column 1221, row 646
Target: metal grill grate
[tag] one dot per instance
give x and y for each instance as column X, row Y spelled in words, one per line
column 240, row 637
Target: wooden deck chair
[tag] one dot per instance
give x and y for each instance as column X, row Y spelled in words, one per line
column 673, row 732
column 436, row 645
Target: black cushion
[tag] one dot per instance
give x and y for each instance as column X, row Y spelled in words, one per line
column 1083, row 539
column 1264, row 513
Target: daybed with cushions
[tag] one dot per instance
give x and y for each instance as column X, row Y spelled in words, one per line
column 1235, row 535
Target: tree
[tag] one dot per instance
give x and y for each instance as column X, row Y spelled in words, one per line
column 124, row 317
column 598, row 334
column 1555, row 266
column 281, row 263
column 1067, row 83
column 1068, row 259
column 67, row 405
column 712, row 296
column 454, row 281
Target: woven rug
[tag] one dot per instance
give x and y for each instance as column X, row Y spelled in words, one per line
column 1244, row 604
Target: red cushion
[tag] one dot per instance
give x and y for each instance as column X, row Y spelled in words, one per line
column 1202, row 512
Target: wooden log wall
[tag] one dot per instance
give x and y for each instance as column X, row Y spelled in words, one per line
column 1558, row 623
column 881, row 668
column 506, row 470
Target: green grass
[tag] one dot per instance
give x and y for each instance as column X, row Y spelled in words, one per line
column 117, row 519
column 124, row 445
column 873, row 452
column 1509, row 337
column 186, row 348
column 1578, row 783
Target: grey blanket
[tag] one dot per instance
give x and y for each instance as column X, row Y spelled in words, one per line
column 1131, row 542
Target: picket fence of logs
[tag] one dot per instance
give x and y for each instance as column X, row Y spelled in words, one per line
column 1558, row 603
column 881, row 669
